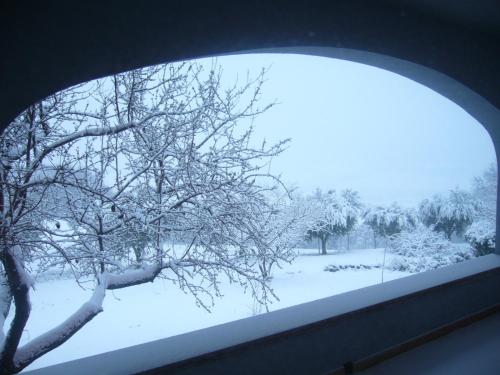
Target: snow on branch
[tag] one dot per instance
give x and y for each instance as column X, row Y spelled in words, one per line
column 94, row 131
column 134, row 277
column 60, row 334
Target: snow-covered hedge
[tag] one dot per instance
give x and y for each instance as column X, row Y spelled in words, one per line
column 423, row 249
column 350, row 267
column 481, row 236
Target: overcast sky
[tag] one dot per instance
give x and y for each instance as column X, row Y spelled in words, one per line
column 360, row 127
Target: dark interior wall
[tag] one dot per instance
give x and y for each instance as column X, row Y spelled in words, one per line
column 49, row 45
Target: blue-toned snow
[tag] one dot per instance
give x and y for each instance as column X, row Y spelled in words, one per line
column 157, row 310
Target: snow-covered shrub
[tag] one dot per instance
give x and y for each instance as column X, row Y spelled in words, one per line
column 349, row 267
column 421, row 264
column 420, row 242
column 423, row 249
column 481, row 236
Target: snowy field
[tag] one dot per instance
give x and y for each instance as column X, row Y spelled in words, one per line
column 152, row 311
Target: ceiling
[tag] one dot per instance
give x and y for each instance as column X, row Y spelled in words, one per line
column 47, row 46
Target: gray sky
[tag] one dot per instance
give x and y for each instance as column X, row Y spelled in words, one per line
column 361, row 127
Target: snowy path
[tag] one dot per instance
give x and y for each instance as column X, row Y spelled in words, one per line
column 153, row 311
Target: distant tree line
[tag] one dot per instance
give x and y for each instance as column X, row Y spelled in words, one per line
column 340, row 219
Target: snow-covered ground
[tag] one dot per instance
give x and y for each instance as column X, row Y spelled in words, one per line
column 156, row 310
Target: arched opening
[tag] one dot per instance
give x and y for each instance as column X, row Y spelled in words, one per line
column 303, row 106
column 444, row 37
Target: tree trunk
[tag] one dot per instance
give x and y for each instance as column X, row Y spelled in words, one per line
column 448, row 234
column 20, row 292
column 138, row 253
column 323, row 245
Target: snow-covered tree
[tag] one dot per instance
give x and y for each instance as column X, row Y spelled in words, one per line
column 482, row 232
column 334, row 214
column 390, row 220
column 387, row 222
column 485, row 192
column 284, row 227
column 449, row 214
column 130, row 165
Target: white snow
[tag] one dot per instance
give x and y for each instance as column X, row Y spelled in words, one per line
column 157, row 310
column 25, row 277
column 4, row 308
column 87, row 311
column 131, row 277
